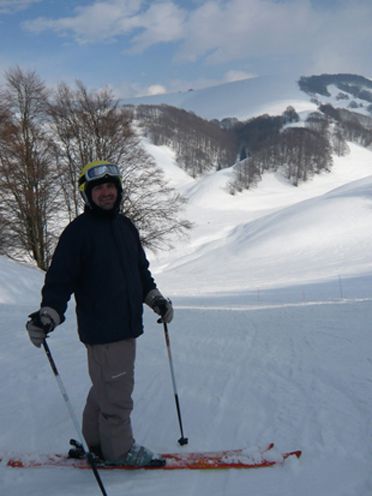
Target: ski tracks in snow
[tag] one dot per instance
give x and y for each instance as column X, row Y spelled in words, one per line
column 296, row 374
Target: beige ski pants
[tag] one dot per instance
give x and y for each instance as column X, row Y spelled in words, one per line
column 106, row 416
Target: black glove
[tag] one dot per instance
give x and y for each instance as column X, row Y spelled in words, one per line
column 41, row 323
column 162, row 306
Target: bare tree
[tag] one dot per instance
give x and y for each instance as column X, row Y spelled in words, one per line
column 87, row 126
column 26, row 178
column 92, row 125
column 149, row 201
column 200, row 145
column 296, row 152
column 246, row 175
column 338, row 141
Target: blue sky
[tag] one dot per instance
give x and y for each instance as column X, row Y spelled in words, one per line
column 140, row 47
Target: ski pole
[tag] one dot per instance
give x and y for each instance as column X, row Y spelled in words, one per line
column 89, row 456
column 182, row 440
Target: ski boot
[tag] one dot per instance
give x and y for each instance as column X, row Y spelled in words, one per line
column 137, row 457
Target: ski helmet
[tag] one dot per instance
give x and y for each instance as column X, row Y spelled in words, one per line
column 98, row 172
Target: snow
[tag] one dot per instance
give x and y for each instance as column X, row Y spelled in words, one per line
column 249, row 369
column 276, row 234
column 176, row 176
column 241, row 99
column 271, row 341
column 362, row 105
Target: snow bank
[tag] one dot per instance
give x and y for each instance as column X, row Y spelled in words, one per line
column 19, row 282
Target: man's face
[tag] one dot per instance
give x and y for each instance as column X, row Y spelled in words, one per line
column 105, row 195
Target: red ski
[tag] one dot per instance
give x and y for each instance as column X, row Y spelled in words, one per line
column 239, row 459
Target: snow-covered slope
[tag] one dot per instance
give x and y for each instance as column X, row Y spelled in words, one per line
column 18, row 282
column 241, row 99
column 312, row 240
column 247, row 98
column 275, row 234
column 291, row 366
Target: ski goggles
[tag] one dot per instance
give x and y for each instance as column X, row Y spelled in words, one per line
column 99, row 171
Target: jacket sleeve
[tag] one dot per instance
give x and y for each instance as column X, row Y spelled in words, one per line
column 63, row 273
column 147, row 280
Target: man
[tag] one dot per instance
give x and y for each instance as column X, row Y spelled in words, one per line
column 99, row 258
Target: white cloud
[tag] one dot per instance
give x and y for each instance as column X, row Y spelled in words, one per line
column 297, row 31
column 11, row 6
column 227, row 30
column 110, row 19
column 162, row 22
column 220, row 31
column 156, row 89
column 132, row 89
column 102, row 20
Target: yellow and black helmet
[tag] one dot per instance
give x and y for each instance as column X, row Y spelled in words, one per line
column 95, row 173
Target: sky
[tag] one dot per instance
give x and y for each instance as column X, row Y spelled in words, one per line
column 144, row 47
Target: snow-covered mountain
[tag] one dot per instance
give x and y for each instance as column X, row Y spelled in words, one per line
column 241, row 99
column 270, row 94
column 297, row 139
column 319, row 228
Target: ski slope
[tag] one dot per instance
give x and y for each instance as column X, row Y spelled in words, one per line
column 251, row 368
column 271, row 342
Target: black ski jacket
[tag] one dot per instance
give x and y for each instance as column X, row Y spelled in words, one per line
column 99, row 258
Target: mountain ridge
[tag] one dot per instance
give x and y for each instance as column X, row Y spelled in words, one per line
column 255, row 96
column 298, row 142
column 246, row 98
